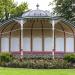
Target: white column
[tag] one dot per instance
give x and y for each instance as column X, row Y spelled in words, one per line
column 53, row 30
column 21, row 22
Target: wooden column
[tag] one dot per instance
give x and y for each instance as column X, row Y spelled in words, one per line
column 73, row 34
column 10, row 42
column 1, row 36
column 20, row 39
column 42, row 37
column 31, row 39
column 64, row 37
column 73, row 37
column 64, row 42
column 10, row 37
column 32, row 36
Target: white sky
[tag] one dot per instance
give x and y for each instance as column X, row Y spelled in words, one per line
column 32, row 4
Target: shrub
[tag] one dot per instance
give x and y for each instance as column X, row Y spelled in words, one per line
column 5, row 57
column 60, row 64
column 40, row 64
column 35, row 63
column 70, row 58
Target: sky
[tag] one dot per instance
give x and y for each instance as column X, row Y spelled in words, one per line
column 43, row 4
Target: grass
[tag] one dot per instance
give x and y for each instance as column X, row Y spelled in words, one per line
column 13, row 71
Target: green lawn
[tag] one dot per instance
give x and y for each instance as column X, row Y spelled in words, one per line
column 9, row 71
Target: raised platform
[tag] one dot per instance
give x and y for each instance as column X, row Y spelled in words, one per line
column 38, row 54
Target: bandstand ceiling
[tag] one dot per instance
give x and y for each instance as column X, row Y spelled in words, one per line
column 38, row 23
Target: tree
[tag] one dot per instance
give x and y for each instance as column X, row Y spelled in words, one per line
column 65, row 8
column 1, row 13
column 8, row 7
column 18, row 11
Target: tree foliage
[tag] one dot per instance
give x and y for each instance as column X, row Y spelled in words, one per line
column 18, row 11
column 9, row 8
column 65, row 8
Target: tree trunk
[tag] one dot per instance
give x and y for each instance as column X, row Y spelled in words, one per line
column 6, row 14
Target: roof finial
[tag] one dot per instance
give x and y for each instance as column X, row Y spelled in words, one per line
column 37, row 6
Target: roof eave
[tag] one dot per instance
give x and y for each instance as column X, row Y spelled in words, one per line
column 37, row 17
